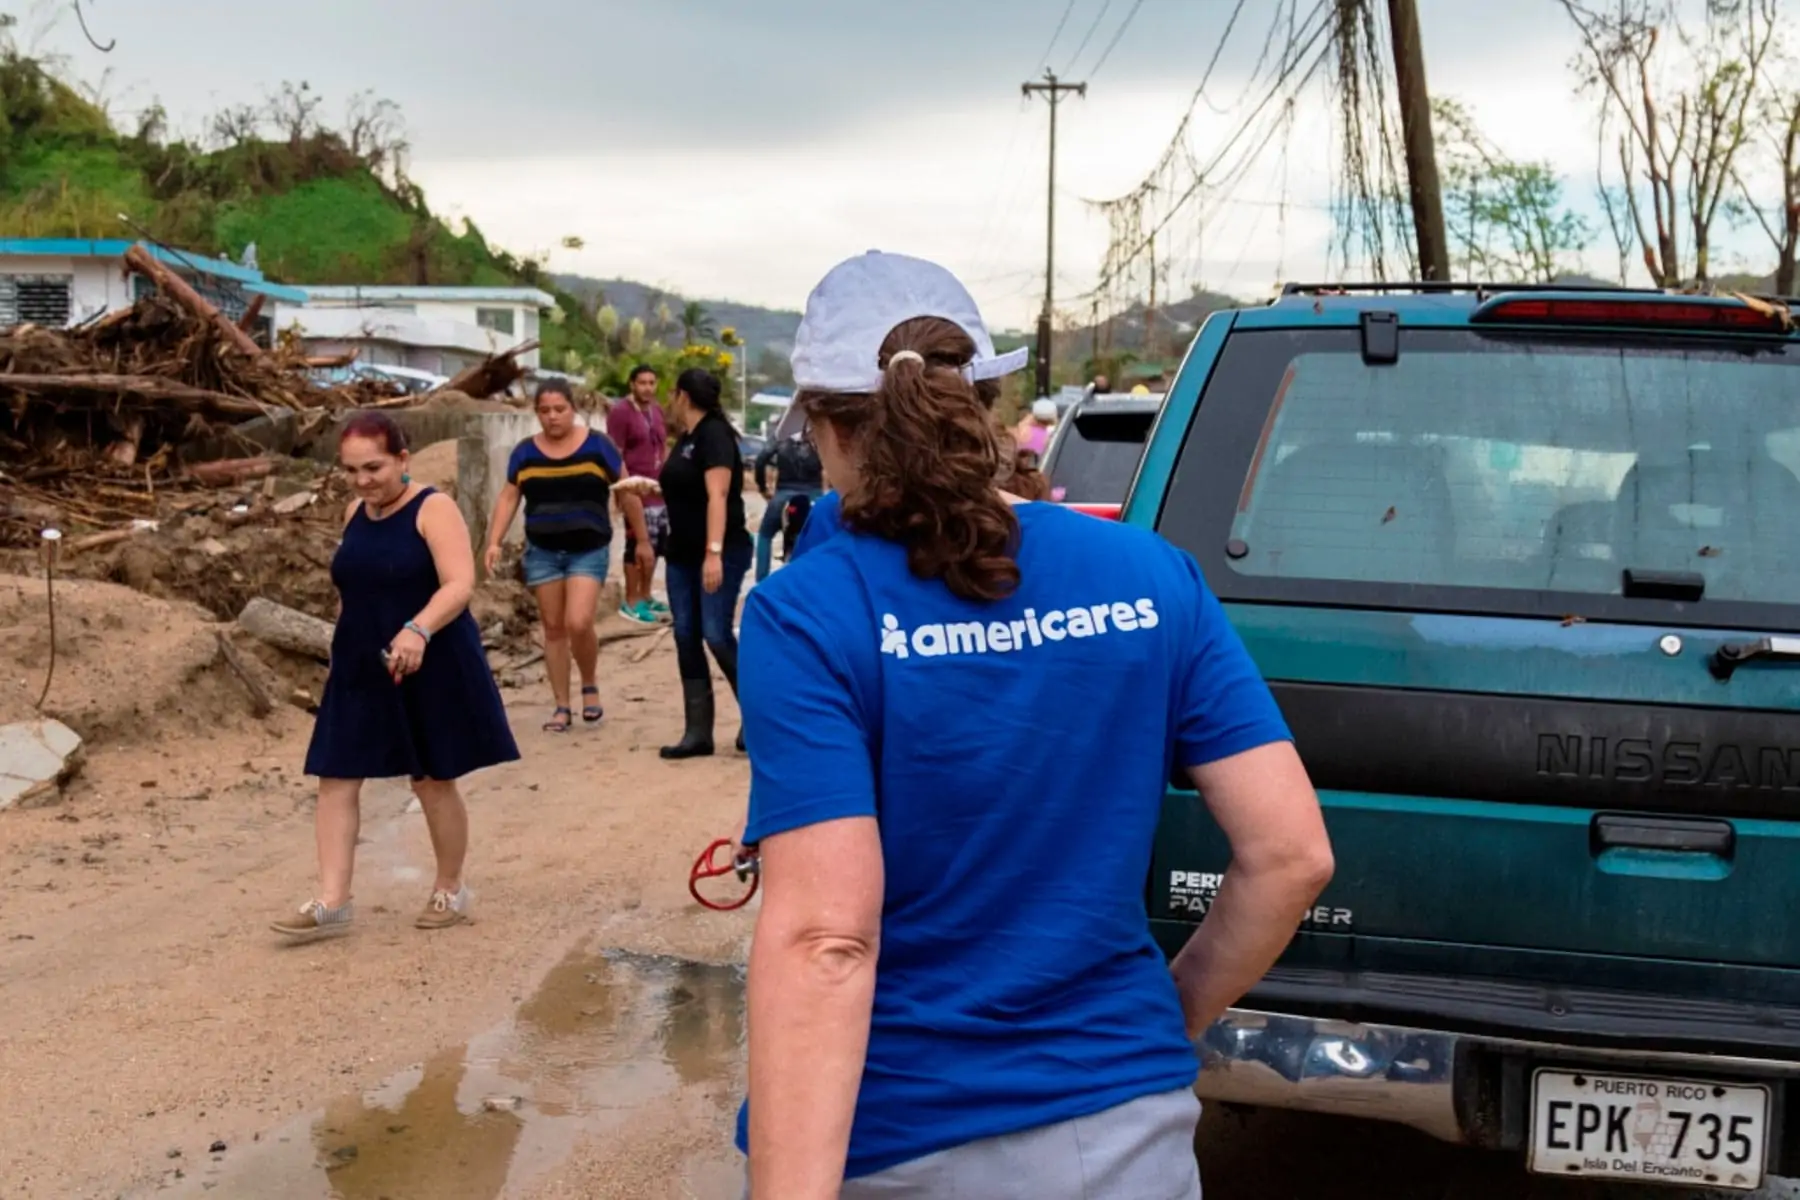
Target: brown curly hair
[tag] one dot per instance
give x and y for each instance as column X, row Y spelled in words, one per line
column 930, row 454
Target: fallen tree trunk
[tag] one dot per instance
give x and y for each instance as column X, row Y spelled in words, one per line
column 286, row 628
column 491, row 375
column 216, row 404
column 177, row 289
column 231, row 471
column 253, row 310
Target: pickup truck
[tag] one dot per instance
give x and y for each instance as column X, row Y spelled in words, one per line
column 1520, row 567
column 1093, row 455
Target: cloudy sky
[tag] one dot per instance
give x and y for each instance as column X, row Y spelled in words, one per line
column 739, row 149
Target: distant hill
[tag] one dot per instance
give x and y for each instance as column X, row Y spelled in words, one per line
column 763, row 329
column 1122, row 338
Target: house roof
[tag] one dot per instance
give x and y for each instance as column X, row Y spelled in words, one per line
column 379, row 292
column 218, row 268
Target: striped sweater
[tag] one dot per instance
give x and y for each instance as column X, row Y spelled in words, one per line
column 567, row 500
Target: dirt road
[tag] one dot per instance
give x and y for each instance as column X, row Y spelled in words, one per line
column 582, row 1039
column 150, row 1015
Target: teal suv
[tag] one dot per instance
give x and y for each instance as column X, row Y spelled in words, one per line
column 1522, row 567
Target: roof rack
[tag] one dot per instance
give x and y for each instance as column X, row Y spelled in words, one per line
column 1440, row 286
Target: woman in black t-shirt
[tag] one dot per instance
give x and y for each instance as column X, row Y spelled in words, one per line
column 709, row 550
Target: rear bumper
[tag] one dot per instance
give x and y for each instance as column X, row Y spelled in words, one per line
column 1459, row 1087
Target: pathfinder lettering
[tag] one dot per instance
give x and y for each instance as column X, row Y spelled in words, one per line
column 1674, row 764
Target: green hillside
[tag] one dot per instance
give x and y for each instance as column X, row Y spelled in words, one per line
column 320, row 206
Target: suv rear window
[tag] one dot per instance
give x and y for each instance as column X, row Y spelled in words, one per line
column 1491, row 471
column 1096, row 460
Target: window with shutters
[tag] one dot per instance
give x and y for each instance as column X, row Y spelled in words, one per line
column 36, row 300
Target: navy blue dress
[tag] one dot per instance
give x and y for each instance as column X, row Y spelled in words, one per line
column 442, row 722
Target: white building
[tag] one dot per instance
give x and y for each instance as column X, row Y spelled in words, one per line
column 436, row 329
column 66, row 281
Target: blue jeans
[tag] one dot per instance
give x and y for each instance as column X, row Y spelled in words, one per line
column 771, row 526
column 703, row 620
column 552, row 566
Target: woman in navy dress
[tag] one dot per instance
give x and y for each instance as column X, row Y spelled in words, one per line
column 409, row 692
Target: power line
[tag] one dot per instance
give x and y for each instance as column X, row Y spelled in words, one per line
column 1123, row 26
column 1055, row 37
column 1089, row 35
column 1297, row 60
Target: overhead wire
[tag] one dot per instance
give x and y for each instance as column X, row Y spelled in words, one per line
column 1088, row 36
column 1314, row 28
column 1117, row 37
column 1057, row 36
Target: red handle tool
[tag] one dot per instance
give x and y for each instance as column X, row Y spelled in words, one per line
column 708, row 866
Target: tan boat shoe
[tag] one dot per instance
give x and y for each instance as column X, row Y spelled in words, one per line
column 315, row 922
column 445, row 909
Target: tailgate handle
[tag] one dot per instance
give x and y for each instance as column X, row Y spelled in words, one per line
column 1619, row 831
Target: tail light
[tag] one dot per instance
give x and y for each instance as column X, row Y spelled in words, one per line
column 1106, row 512
column 1659, row 312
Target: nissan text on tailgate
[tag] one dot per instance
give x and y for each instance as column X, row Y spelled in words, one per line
column 1521, row 568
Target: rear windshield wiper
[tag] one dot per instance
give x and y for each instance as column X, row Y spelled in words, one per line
column 1732, row 655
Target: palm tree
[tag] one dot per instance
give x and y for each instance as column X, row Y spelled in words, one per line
column 696, row 323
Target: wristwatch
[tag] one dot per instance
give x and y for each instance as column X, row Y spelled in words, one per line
column 715, row 547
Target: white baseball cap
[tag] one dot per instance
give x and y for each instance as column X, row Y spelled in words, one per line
column 860, row 301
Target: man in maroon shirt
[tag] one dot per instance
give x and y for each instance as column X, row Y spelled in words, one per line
column 636, row 427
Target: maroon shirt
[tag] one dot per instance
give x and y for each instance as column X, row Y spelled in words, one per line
column 642, row 438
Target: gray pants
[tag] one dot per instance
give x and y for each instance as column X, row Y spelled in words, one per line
column 1143, row 1150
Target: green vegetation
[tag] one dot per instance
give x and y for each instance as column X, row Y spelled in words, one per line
column 320, row 204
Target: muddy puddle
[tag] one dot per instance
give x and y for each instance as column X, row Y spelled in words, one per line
column 606, row 1035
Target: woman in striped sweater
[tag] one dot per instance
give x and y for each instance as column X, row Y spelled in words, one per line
column 565, row 475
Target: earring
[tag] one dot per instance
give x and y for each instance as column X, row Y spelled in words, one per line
column 405, row 477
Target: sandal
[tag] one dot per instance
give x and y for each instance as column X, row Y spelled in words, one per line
column 559, row 721
column 591, row 713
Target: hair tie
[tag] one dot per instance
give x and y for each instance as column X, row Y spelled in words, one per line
column 900, row 355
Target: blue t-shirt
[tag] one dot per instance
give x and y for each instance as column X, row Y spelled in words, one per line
column 1016, row 755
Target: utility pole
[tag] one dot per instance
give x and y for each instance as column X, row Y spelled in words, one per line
column 1150, row 313
column 1054, row 89
column 1421, row 146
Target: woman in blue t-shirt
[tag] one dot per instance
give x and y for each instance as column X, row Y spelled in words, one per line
column 564, row 474
column 960, row 735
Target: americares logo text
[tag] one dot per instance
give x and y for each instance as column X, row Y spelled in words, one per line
column 1029, row 632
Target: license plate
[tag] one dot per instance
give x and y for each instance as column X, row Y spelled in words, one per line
column 1649, row 1130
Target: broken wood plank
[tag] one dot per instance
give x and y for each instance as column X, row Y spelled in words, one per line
column 260, row 704
column 253, row 310
column 99, row 541
column 645, row 651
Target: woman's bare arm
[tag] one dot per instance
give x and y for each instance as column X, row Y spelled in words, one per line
column 1280, row 861
column 811, row 990
column 718, row 484
column 446, row 533
column 506, row 506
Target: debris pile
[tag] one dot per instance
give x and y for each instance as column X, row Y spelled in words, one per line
column 96, row 419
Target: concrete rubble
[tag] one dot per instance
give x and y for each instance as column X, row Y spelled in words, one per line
column 36, row 759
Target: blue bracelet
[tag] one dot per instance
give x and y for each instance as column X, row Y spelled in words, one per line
column 418, row 629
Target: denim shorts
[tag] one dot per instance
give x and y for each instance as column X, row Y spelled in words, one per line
column 552, row 566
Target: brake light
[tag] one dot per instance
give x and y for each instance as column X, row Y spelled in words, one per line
column 1106, row 512
column 1659, row 313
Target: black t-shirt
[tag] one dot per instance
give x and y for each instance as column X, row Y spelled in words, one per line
column 711, row 444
